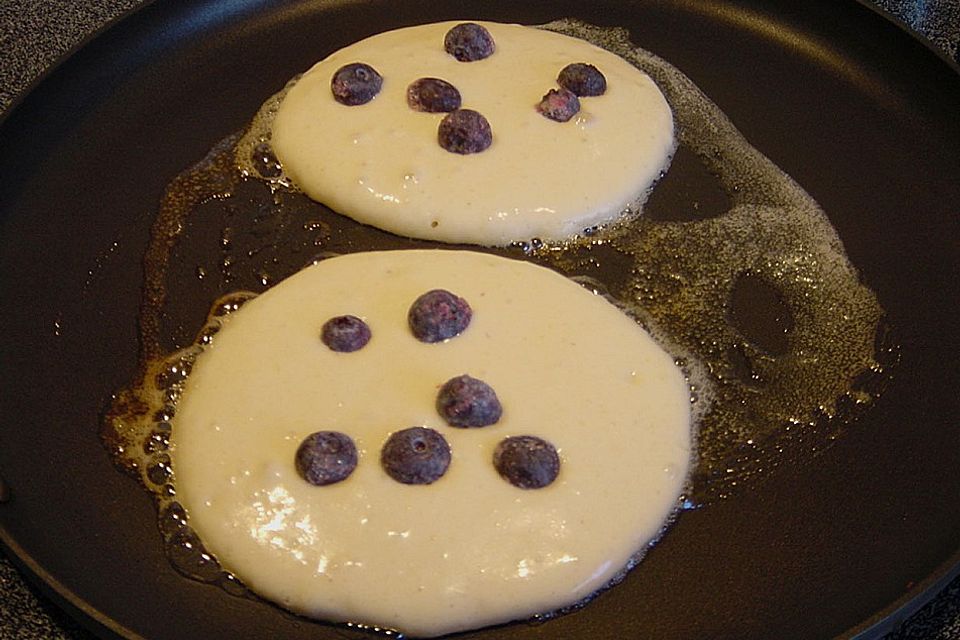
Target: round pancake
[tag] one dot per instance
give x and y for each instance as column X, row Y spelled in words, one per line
column 380, row 162
column 470, row 549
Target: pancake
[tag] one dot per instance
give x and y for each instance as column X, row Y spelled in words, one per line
column 380, row 162
column 470, row 549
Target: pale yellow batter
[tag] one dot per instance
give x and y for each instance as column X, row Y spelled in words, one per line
column 471, row 549
column 380, row 163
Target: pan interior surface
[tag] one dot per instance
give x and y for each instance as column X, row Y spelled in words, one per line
column 859, row 114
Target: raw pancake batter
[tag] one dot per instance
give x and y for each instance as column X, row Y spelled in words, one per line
column 470, row 549
column 380, row 162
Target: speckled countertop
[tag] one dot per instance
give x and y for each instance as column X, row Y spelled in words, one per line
column 35, row 33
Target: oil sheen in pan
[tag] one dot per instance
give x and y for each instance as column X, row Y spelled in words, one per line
column 731, row 266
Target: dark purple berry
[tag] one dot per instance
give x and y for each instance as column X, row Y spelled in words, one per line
column 345, row 334
column 582, row 79
column 418, row 455
column 468, row 42
column 559, row 105
column 264, row 161
column 433, row 95
column 326, row 457
column 438, row 315
column 355, row 83
column 527, row 462
column 464, row 131
column 467, row 402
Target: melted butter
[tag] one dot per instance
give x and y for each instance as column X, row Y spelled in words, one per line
column 679, row 278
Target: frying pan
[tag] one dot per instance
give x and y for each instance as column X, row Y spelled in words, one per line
column 828, row 549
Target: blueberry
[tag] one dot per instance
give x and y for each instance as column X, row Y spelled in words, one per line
column 467, row 402
column 582, row 79
column 438, row 315
column 464, row 131
column 345, row 334
column 355, row 83
column 468, row 42
column 559, row 104
column 527, row 462
column 326, row 457
column 433, row 95
column 265, row 161
column 418, row 455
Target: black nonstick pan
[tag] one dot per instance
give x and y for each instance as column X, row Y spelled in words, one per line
column 865, row 118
